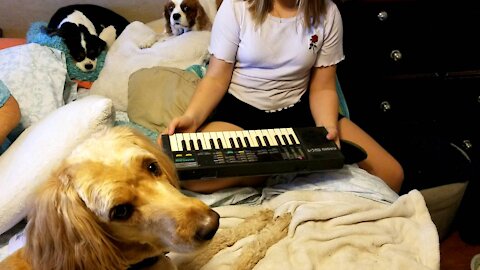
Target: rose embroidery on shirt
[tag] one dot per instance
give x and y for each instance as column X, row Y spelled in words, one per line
column 313, row 42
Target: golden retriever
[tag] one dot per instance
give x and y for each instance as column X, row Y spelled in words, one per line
column 113, row 203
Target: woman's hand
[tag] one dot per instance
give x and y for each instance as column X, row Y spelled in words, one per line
column 333, row 135
column 184, row 123
column 179, row 124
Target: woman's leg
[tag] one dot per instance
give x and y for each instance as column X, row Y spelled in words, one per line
column 212, row 185
column 379, row 162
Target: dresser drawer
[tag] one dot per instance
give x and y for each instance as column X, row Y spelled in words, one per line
column 396, row 37
column 427, row 101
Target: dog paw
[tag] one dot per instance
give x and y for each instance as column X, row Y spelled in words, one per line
column 147, row 43
column 108, row 34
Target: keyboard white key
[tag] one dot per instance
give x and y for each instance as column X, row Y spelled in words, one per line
column 259, row 137
column 173, row 143
column 178, row 139
column 186, row 138
column 226, row 136
column 213, row 137
column 279, row 136
column 240, row 135
column 266, row 137
column 292, row 133
column 285, row 135
column 193, row 137
column 271, row 135
column 206, row 140
column 251, row 138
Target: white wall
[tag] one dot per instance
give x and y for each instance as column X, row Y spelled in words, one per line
column 17, row 15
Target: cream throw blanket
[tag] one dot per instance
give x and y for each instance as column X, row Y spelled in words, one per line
column 337, row 230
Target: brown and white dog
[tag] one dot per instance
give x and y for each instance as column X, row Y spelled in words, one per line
column 113, row 203
column 182, row 16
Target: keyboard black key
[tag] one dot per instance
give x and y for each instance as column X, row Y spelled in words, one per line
column 267, row 143
column 239, row 141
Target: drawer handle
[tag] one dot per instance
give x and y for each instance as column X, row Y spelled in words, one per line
column 467, row 144
column 385, row 106
column 382, row 16
column 396, row 55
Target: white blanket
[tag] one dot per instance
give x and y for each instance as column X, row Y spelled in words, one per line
column 127, row 56
column 338, row 230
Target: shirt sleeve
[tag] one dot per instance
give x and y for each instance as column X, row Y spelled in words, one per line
column 331, row 52
column 4, row 94
column 225, row 33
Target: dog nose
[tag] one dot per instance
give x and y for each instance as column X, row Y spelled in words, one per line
column 176, row 16
column 88, row 66
column 209, row 228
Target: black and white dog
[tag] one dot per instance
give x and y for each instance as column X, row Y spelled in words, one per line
column 86, row 30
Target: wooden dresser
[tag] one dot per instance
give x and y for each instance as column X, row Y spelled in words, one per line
column 411, row 78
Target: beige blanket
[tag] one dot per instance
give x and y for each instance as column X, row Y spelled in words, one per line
column 330, row 230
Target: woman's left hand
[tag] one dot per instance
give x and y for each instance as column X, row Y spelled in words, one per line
column 333, row 135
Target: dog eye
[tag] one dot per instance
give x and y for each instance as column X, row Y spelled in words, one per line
column 121, row 212
column 185, row 8
column 79, row 57
column 153, row 168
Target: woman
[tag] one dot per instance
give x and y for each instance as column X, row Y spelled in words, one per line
column 273, row 64
column 9, row 115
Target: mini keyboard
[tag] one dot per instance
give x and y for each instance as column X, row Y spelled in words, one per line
column 205, row 155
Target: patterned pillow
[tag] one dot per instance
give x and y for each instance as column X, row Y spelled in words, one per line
column 36, row 76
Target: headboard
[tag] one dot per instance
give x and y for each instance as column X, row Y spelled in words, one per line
column 16, row 16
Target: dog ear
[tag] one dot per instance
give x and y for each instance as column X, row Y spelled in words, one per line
column 66, row 29
column 164, row 161
column 50, row 31
column 63, row 234
column 218, row 3
column 96, row 44
column 202, row 19
column 166, row 15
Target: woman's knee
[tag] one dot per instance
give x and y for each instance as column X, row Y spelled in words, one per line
column 379, row 162
column 395, row 176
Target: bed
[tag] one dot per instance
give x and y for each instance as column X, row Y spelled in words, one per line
column 343, row 219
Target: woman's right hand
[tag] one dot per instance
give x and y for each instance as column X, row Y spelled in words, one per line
column 179, row 124
column 184, row 123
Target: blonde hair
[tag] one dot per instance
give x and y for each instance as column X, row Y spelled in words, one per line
column 311, row 9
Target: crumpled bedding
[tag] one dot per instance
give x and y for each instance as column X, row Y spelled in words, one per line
column 350, row 178
column 328, row 230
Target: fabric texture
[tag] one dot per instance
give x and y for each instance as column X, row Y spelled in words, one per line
column 159, row 94
column 273, row 78
column 36, row 76
column 28, row 162
column 4, row 96
column 36, row 34
column 4, row 93
column 127, row 56
column 335, row 230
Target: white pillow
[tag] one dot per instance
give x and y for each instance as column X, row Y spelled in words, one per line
column 35, row 76
column 126, row 56
column 28, row 162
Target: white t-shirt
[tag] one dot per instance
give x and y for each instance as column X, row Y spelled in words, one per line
column 273, row 61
